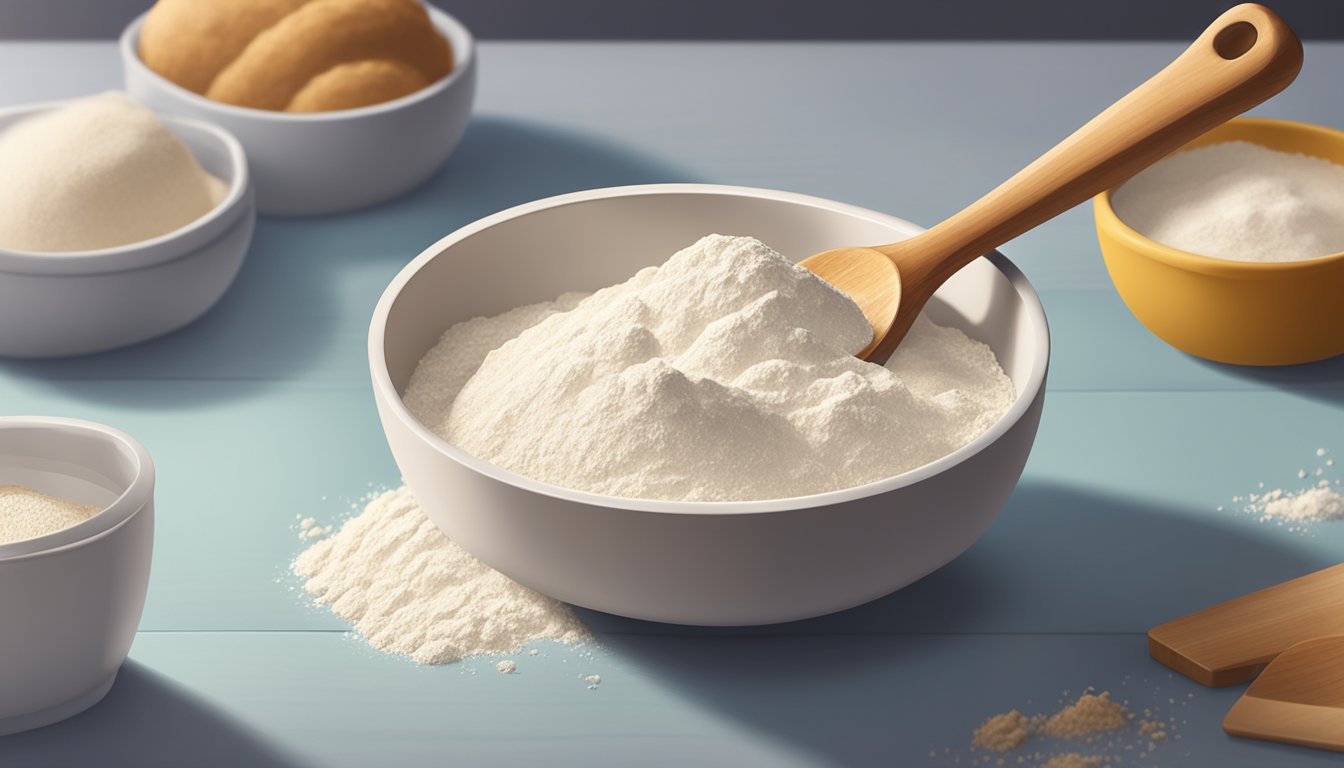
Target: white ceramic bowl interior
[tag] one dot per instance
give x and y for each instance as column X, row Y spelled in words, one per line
column 70, row 601
column 696, row 563
column 58, row 304
column 329, row 162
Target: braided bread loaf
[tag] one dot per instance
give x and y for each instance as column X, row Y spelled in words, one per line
column 295, row 55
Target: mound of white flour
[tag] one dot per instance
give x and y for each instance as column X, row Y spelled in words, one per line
column 725, row 374
column 410, row 589
column 1239, row 201
column 99, row 172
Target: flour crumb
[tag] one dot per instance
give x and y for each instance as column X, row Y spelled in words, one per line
column 307, row 523
column 507, row 666
column 409, row 589
column 593, row 681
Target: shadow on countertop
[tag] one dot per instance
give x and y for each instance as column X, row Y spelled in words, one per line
column 1322, row 380
column 1060, row 560
column 145, row 721
column 300, row 306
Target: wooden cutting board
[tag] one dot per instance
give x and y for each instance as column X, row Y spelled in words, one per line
column 1231, row 642
column 1298, row 699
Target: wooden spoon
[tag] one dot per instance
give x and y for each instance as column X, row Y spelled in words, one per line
column 1246, row 56
column 1298, row 699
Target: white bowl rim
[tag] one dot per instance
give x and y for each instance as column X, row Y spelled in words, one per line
column 157, row 250
column 445, row 22
column 382, row 380
column 138, row 494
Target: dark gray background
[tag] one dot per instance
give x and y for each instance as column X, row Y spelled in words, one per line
column 762, row 19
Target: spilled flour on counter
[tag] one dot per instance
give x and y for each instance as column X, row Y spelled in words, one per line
column 409, row 589
column 1319, row 503
column 1296, row 510
column 728, row 373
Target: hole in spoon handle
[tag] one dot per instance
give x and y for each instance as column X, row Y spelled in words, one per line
column 1234, row 41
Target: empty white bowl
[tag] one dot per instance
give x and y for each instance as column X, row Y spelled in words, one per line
column 695, row 562
column 70, row 601
column 329, row 162
column 57, row 304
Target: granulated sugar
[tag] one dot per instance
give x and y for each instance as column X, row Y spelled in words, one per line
column 1320, row 503
column 26, row 514
column 408, row 588
column 1296, row 510
column 1239, row 201
column 726, row 374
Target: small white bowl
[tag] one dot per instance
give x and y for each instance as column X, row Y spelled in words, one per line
column 70, row 601
column 57, row 304
column 708, row 563
column 329, row 162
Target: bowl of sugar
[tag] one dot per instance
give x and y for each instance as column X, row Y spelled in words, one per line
column 76, row 535
column 116, row 225
column 696, row 442
column 1232, row 248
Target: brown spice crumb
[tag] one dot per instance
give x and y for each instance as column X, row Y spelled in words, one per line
column 1072, row 760
column 1092, row 714
column 1001, row 733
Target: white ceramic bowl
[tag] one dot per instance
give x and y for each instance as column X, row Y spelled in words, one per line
column 70, row 601
column 56, row 304
column 696, row 563
column 328, row 162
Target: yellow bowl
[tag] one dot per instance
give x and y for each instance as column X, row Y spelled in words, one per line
column 1246, row 313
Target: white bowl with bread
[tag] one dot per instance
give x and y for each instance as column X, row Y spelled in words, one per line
column 340, row 104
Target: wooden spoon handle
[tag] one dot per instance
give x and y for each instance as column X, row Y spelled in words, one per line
column 1247, row 55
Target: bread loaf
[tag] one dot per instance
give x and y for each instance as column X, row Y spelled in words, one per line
column 295, row 55
column 357, row 84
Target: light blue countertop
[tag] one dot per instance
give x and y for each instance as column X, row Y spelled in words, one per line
column 261, row 413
